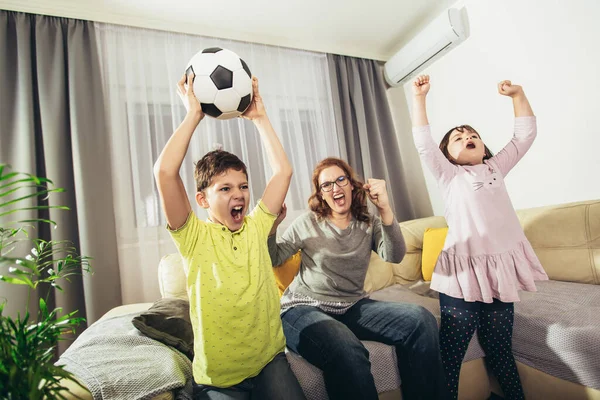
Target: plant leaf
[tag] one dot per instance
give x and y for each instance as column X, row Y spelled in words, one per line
column 28, row 342
column 32, row 208
column 40, row 193
column 14, row 281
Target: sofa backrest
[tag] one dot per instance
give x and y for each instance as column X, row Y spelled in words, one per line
column 172, row 282
column 565, row 237
column 410, row 267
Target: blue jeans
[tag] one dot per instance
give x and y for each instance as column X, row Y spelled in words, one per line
column 332, row 343
column 276, row 381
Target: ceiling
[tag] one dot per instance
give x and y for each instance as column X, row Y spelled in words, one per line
column 373, row 29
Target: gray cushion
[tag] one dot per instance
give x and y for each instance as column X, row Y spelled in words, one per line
column 168, row 321
column 383, row 367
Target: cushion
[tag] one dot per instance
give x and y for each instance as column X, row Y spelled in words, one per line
column 114, row 360
column 285, row 272
column 168, row 321
column 383, row 368
column 433, row 243
column 379, row 274
column 566, row 239
column 410, row 269
column 172, row 276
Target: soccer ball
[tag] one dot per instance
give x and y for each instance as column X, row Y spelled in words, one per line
column 222, row 83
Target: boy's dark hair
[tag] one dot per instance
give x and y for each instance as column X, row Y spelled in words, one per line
column 446, row 139
column 215, row 163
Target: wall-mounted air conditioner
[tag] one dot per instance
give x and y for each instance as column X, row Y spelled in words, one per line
column 443, row 34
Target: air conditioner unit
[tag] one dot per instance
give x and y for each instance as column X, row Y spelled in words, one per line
column 443, row 34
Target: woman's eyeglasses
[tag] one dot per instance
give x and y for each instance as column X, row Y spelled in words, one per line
column 328, row 186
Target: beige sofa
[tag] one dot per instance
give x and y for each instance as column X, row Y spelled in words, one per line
column 565, row 237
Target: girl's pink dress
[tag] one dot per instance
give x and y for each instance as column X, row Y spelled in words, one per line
column 486, row 254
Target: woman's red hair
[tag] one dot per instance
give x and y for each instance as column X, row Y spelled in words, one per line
column 320, row 207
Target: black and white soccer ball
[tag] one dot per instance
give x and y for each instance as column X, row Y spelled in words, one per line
column 222, row 83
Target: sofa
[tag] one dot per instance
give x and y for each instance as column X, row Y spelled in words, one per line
column 556, row 340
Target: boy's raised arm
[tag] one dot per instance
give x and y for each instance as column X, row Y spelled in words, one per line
column 278, row 185
column 174, row 200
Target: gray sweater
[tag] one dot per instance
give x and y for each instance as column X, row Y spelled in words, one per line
column 334, row 260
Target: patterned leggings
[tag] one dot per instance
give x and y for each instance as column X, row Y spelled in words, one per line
column 494, row 324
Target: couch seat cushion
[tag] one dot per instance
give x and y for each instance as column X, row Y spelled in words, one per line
column 383, row 367
column 402, row 293
column 557, row 331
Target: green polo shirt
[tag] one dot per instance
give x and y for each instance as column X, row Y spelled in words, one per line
column 234, row 303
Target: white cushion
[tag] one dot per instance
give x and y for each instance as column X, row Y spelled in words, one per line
column 171, row 276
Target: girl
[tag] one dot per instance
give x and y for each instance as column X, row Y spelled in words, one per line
column 486, row 257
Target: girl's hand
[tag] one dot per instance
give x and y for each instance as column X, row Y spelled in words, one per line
column 421, row 85
column 377, row 193
column 506, row 88
column 256, row 109
column 187, row 96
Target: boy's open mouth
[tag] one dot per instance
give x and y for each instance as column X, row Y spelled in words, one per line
column 237, row 213
column 470, row 145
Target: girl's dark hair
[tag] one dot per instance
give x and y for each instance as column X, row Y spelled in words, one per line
column 446, row 139
column 359, row 195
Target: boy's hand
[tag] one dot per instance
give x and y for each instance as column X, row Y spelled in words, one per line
column 280, row 218
column 506, row 88
column 187, row 96
column 421, row 85
column 256, row 109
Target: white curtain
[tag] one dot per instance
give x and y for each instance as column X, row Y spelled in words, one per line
column 140, row 69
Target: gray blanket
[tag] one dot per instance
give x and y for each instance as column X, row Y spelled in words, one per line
column 116, row 362
column 556, row 329
column 423, row 296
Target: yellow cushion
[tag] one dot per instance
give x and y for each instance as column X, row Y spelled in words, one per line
column 433, row 243
column 285, row 273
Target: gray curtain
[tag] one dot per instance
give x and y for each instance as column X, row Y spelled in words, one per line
column 52, row 124
column 365, row 127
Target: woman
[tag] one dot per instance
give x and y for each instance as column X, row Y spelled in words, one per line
column 325, row 310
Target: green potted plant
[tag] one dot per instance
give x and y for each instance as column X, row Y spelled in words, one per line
column 28, row 341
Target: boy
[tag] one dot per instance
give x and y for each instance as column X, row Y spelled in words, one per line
column 234, row 304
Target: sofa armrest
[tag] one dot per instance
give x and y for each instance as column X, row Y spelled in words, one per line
column 75, row 391
column 126, row 309
column 79, row 391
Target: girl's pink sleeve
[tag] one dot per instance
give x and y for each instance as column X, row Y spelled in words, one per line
column 509, row 156
column 430, row 153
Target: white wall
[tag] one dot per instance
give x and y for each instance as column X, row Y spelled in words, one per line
column 551, row 48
